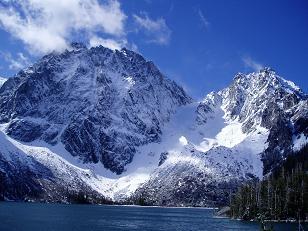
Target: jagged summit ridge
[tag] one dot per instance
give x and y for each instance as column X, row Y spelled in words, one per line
column 267, row 78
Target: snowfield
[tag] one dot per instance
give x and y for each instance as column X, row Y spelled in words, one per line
column 180, row 136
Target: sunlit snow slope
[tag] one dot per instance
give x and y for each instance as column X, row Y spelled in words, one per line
column 234, row 135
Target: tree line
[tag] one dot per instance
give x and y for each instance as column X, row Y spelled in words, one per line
column 281, row 195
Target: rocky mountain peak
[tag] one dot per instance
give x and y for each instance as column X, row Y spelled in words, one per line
column 266, row 81
column 263, row 99
column 267, row 70
column 99, row 103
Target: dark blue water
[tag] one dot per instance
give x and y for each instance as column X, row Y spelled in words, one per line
column 34, row 216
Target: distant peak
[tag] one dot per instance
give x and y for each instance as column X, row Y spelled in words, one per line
column 266, row 77
column 266, row 71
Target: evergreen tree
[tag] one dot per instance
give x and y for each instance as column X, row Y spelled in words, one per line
column 281, row 195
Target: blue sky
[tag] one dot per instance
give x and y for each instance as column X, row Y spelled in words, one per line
column 200, row 44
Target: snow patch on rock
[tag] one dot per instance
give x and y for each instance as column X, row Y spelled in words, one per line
column 2, row 81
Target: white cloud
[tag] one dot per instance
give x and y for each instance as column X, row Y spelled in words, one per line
column 50, row 25
column 133, row 47
column 109, row 43
column 16, row 63
column 183, row 141
column 157, row 30
column 249, row 62
column 203, row 19
column 113, row 44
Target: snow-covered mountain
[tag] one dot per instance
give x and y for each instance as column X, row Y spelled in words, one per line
column 267, row 100
column 236, row 134
column 109, row 123
column 100, row 104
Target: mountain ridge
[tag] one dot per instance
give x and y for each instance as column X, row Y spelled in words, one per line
column 257, row 125
column 109, row 123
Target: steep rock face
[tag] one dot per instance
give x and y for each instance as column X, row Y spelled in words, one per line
column 101, row 104
column 300, row 118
